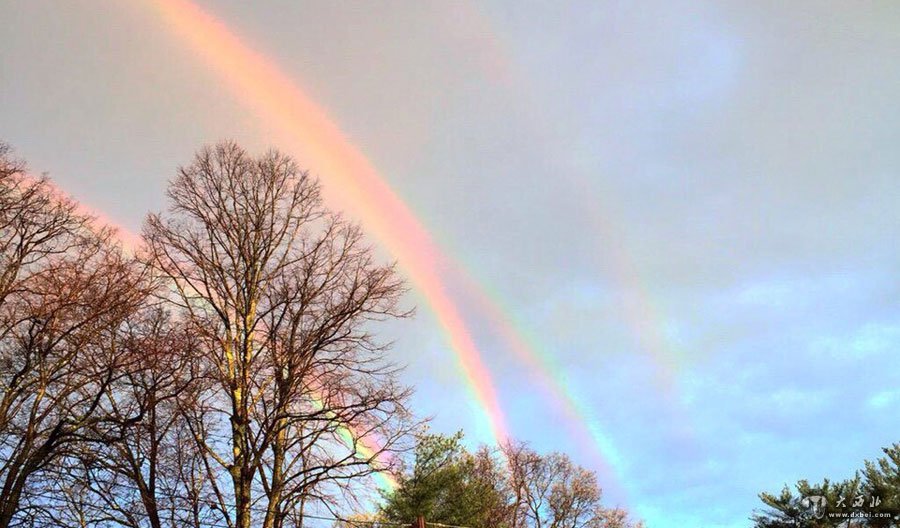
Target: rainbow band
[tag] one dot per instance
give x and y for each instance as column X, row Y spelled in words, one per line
column 352, row 180
column 308, row 129
column 363, row 448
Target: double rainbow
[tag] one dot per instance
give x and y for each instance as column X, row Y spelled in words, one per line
column 350, row 178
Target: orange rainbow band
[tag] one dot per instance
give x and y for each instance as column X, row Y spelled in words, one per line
column 347, row 175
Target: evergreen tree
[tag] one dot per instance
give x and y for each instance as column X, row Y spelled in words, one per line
column 447, row 485
column 861, row 501
column 515, row 487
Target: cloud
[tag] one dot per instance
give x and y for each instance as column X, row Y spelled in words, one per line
column 731, row 170
column 863, row 344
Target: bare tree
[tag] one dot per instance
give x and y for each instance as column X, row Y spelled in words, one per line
column 147, row 474
column 65, row 289
column 251, row 390
column 550, row 491
column 280, row 294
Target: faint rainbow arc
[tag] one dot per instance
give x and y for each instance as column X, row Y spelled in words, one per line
column 551, row 378
column 128, row 240
column 641, row 314
column 529, row 351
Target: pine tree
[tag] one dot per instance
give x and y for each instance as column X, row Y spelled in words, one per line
column 873, row 492
column 446, row 485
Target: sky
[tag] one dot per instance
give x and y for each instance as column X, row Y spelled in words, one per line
column 658, row 236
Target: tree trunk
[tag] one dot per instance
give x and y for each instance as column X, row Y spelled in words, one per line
column 274, row 515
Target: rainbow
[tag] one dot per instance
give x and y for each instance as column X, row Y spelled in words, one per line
column 642, row 317
column 353, row 180
column 549, row 374
column 128, row 240
column 640, row 313
column 309, row 130
column 385, row 480
column 364, row 449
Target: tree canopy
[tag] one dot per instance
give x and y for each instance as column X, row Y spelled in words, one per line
column 512, row 487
